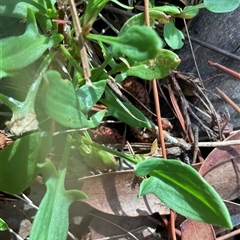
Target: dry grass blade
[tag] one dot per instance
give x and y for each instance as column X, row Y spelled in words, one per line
column 81, row 43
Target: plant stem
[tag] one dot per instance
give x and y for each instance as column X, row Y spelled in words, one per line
column 80, row 39
column 101, row 69
column 112, row 151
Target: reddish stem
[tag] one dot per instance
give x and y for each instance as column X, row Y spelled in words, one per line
column 225, row 69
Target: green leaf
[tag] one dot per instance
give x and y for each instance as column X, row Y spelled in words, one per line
column 190, row 12
column 19, row 9
column 173, row 36
column 24, row 118
column 88, row 96
column 221, row 6
column 137, row 42
column 122, row 5
column 61, row 103
column 51, row 221
column 183, row 189
column 23, row 49
column 94, row 7
column 139, row 19
column 18, row 161
column 212, row 5
column 158, row 68
column 168, row 9
column 94, row 156
column 3, row 225
column 124, row 112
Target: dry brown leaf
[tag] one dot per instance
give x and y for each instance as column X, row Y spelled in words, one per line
column 193, row 230
column 4, row 140
column 116, row 193
column 222, row 169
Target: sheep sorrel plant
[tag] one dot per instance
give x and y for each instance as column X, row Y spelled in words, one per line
column 41, row 48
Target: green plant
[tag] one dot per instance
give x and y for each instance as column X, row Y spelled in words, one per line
column 68, row 102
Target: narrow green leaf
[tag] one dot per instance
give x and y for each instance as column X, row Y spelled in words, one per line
column 61, row 103
column 18, row 161
column 94, row 7
column 3, row 225
column 122, row 5
column 183, row 189
column 123, row 111
column 173, row 36
column 139, row 43
column 23, row 49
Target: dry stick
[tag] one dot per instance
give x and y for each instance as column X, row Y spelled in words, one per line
column 228, row 235
column 177, row 109
column 225, row 69
column 104, row 219
column 228, row 100
column 191, row 48
column 80, row 39
column 219, row 144
column 213, row 48
column 159, row 122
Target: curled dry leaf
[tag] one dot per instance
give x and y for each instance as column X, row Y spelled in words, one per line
column 116, row 193
column 192, row 230
column 221, row 169
column 21, row 123
column 4, row 140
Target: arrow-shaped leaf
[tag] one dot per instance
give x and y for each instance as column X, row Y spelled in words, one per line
column 183, row 189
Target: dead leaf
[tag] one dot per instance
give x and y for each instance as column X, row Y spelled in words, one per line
column 192, row 230
column 221, row 169
column 116, row 193
column 4, row 140
column 221, row 154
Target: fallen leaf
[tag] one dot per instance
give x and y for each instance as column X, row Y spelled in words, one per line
column 221, row 169
column 192, row 230
column 116, row 193
column 221, row 154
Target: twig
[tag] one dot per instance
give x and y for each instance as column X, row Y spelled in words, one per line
column 219, row 144
column 225, row 69
column 213, row 48
column 229, row 235
column 193, row 55
column 80, row 39
column 228, row 100
column 104, row 219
